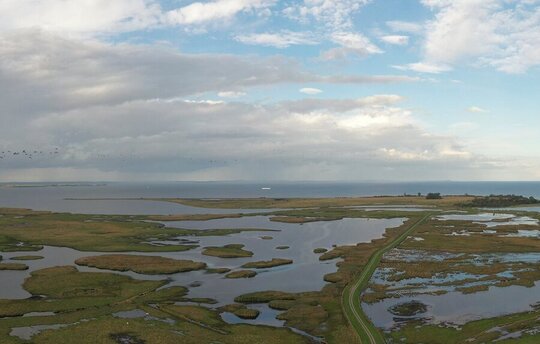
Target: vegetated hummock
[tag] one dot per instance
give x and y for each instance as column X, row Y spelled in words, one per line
column 27, row 258
column 13, row 266
column 264, row 296
column 407, row 309
column 192, row 217
column 240, row 311
column 247, row 313
column 227, row 251
column 217, row 270
column 241, row 274
column 267, row 263
column 495, row 201
column 150, row 265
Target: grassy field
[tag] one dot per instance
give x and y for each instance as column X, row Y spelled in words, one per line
column 28, row 230
column 264, row 203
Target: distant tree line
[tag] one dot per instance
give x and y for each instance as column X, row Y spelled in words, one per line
column 434, row 195
column 501, row 201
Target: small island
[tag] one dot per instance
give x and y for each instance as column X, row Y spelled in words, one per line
column 241, row 274
column 227, row 251
column 149, row 265
column 267, row 263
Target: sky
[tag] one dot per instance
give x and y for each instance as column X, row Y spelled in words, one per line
column 268, row 90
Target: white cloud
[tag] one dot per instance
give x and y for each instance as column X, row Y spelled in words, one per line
column 395, row 39
column 477, row 109
column 231, row 94
column 90, row 18
column 281, row 39
column 334, row 14
column 341, row 105
column 310, row 91
column 205, row 101
column 63, row 73
column 225, row 140
column 205, row 12
column 499, row 33
column 79, row 17
column 403, row 26
column 350, row 43
column 424, row 67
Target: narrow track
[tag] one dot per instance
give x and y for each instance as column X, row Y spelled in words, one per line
column 350, row 299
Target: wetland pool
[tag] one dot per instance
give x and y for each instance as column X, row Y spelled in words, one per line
column 453, row 307
column 304, row 274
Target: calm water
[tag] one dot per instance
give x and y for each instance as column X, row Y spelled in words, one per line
column 453, row 307
column 305, row 274
column 53, row 198
column 457, row 308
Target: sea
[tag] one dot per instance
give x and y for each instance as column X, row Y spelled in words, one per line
column 88, row 197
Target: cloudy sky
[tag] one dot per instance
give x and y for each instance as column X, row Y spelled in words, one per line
column 269, row 90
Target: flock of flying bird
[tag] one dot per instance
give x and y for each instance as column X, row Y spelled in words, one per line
column 28, row 154
column 31, row 154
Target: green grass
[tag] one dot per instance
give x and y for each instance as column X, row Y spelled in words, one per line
column 68, row 282
column 262, row 264
column 241, row 274
column 227, row 251
column 29, row 231
column 13, row 266
column 265, row 203
column 27, row 258
column 151, row 265
column 217, row 270
column 305, row 317
column 471, row 332
column 247, row 313
column 84, row 301
column 264, row 297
